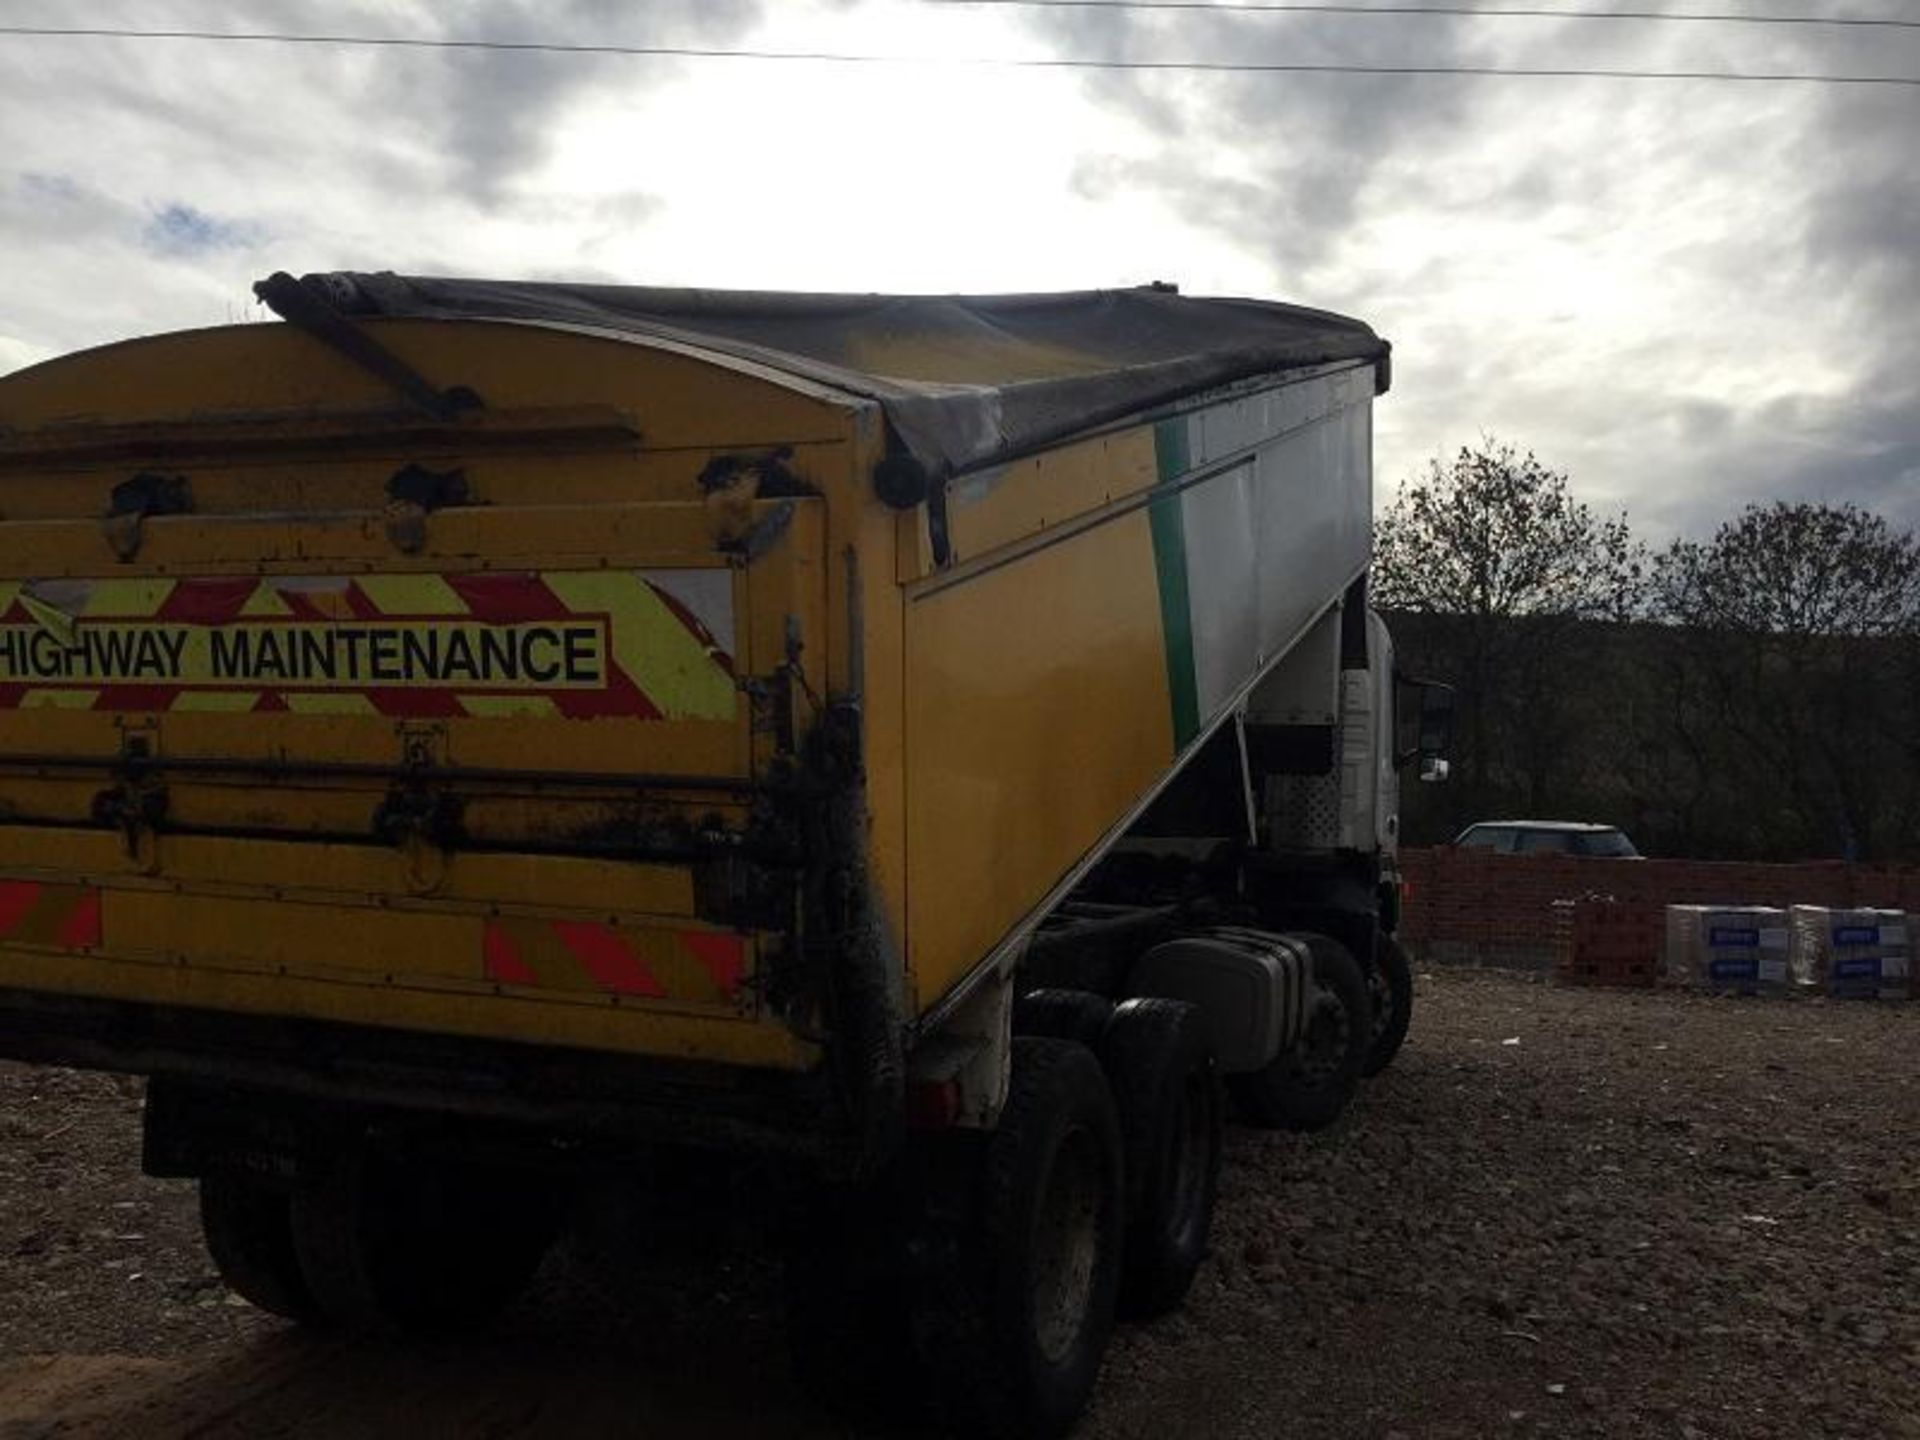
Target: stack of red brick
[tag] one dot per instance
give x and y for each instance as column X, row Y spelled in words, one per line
column 1597, row 940
column 1486, row 909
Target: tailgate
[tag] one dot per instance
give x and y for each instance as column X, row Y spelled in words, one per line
column 502, row 769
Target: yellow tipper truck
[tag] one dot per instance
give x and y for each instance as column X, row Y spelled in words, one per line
column 474, row 733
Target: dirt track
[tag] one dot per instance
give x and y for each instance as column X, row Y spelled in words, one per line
column 1653, row 1215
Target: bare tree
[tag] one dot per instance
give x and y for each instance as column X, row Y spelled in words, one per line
column 1802, row 617
column 1495, row 533
column 1496, row 538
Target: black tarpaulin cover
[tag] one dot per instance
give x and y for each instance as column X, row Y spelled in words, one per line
column 964, row 380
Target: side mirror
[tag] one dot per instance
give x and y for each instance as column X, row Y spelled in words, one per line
column 1433, row 725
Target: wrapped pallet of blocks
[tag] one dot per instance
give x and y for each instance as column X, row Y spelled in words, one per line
column 1598, row 940
column 1853, row 954
column 1740, row 949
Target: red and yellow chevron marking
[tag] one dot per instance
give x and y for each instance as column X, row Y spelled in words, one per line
column 63, row 916
column 573, row 644
column 700, row 967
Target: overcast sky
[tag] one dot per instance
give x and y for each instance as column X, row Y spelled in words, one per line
column 1687, row 295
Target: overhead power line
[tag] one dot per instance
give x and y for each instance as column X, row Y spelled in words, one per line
column 1009, row 62
column 1317, row 7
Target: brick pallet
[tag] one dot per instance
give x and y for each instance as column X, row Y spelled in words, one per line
column 1471, row 905
column 1730, row 949
column 1860, row 954
column 1600, row 941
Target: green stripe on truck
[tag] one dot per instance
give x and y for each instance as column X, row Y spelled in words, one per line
column 1170, row 566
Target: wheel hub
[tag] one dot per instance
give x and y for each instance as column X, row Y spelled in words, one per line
column 1191, row 1128
column 1068, row 1241
column 1382, row 996
column 1323, row 1046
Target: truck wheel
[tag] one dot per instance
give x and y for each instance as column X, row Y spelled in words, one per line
column 390, row 1245
column 1063, row 1015
column 1307, row 1087
column 1390, row 988
column 1168, row 1095
column 1013, row 1333
column 250, row 1237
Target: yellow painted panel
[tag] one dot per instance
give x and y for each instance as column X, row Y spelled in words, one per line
column 411, row 595
column 662, row 533
column 787, row 604
column 63, row 916
column 310, row 809
column 612, row 746
column 480, row 1012
column 498, row 707
column 55, row 621
column 635, row 507
column 319, row 870
column 338, row 702
column 266, row 601
column 355, row 486
column 678, row 673
column 632, row 507
column 872, row 535
column 1044, row 492
column 53, row 853
column 650, row 960
column 220, row 701
column 677, row 400
column 266, row 934
column 126, row 597
column 1037, row 714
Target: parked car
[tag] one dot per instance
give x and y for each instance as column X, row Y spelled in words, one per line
column 1548, row 837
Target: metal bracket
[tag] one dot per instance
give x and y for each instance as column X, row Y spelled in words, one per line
column 421, row 819
column 766, row 476
column 416, row 812
column 759, row 536
column 939, row 532
column 147, row 493
column 300, row 305
column 415, row 492
column 136, row 803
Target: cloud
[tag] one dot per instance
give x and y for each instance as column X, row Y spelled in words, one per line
column 492, row 116
column 1688, row 295
column 182, row 231
column 1280, row 161
column 146, row 184
column 40, row 208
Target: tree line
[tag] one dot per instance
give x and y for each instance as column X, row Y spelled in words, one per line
column 1752, row 695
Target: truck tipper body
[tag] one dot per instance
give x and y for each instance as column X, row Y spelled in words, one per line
column 916, row 742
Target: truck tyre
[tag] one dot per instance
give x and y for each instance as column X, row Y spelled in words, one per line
column 249, row 1234
column 1307, row 1087
column 398, row 1246
column 1390, row 988
column 1168, row 1094
column 1063, row 1015
column 1013, row 1332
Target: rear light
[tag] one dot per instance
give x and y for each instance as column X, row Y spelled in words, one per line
column 933, row 1104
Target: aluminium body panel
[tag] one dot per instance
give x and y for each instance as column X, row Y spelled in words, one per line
column 1053, row 688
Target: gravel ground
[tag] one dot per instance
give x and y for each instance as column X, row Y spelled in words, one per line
column 1562, row 1212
